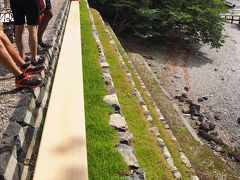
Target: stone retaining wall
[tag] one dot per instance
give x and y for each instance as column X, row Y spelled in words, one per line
column 117, row 120
column 18, row 141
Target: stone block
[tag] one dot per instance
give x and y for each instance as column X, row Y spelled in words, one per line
column 110, row 89
column 112, row 100
column 23, row 116
column 118, row 122
column 104, row 65
column 8, row 165
column 107, row 79
column 126, row 138
column 137, row 175
column 166, row 153
column 128, row 154
column 185, row 160
column 177, row 175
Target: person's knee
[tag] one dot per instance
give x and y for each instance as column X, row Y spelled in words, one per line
column 48, row 13
column 3, row 36
column 32, row 29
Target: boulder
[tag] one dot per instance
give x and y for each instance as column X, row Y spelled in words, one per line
column 210, row 137
column 204, row 126
column 236, row 154
column 211, row 126
column 186, row 109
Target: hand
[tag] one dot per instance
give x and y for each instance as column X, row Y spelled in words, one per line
column 42, row 5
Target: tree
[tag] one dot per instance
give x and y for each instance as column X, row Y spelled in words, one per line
column 199, row 19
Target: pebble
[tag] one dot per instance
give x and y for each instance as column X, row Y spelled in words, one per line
column 205, row 98
column 238, row 120
column 200, row 99
column 186, row 89
column 217, row 117
column 177, row 77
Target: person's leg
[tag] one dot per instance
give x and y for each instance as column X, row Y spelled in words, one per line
column 48, row 14
column 21, row 79
column 7, row 61
column 19, row 39
column 32, row 29
column 11, row 50
column 19, row 21
column 32, row 14
column 24, row 67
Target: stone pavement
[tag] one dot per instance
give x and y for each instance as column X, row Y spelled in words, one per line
column 10, row 96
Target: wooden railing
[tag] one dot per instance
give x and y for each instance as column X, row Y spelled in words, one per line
column 232, row 18
column 62, row 153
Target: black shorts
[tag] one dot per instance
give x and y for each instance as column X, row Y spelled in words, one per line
column 25, row 8
column 48, row 4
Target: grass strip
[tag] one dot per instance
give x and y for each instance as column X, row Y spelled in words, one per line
column 104, row 162
column 172, row 147
column 148, row 152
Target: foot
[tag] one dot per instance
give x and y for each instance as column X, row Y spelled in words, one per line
column 38, row 62
column 44, row 45
column 30, row 69
column 27, row 81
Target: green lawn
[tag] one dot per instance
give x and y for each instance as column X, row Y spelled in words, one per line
column 104, row 161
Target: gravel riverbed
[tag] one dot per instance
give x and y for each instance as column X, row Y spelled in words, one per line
column 206, row 72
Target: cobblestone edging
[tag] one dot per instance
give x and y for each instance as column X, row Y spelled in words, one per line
column 18, row 142
column 153, row 129
column 117, row 120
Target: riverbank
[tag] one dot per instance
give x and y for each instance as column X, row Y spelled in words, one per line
column 208, row 78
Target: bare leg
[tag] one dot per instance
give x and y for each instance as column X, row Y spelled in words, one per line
column 33, row 41
column 11, row 50
column 20, row 40
column 7, row 61
column 48, row 14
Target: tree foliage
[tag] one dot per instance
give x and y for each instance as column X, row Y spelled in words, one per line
column 198, row 19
